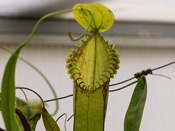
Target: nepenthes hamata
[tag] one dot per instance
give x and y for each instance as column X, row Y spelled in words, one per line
column 91, row 66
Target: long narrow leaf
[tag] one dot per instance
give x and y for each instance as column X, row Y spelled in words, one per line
column 8, row 93
column 135, row 110
column 38, row 71
column 49, row 122
column 8, row 81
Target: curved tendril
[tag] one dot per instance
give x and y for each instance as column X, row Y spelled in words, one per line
column 24, row 94
column 86, row 30
column 38, row 71
column 33, row 32
column 33, row 92
column 64, row 121
column 162, row 76
column 123, row 87
column 40, row 20
column 46, row 80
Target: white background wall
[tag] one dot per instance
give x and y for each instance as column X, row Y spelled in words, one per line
column 159, row 113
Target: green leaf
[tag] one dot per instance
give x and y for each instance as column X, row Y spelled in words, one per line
column 8, row 93
column 8, row 86
column 8, row 81
column 135, row 110
column 31, row 109
column 49, row 122
column 102, row 20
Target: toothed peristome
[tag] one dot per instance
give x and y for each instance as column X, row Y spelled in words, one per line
column 93, row 63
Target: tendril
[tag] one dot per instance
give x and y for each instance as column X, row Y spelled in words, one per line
column 33, row 92
column 86, row 30
column 64, row 121
column 148, row 71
